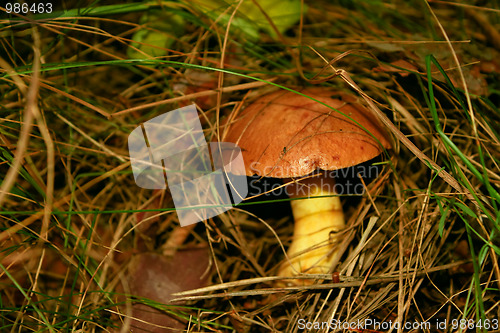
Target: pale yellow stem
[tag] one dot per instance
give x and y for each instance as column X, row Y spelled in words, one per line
column 317, row 222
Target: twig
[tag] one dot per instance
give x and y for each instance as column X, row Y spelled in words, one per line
column 346, row 283
column 237, row 87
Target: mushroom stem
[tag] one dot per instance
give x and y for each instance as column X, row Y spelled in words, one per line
column 317, row 220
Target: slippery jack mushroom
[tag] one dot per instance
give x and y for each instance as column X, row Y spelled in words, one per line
column 286, row 135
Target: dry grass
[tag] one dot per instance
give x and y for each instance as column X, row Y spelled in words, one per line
column 422, row 244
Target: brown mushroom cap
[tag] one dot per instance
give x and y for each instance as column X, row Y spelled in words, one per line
column 284, row 134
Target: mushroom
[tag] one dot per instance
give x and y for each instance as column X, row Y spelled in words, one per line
column 286, row 135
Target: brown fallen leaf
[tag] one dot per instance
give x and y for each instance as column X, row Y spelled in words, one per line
column 156, row 278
